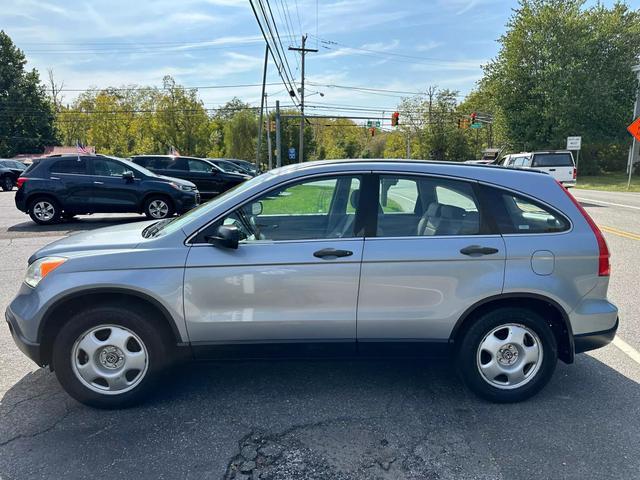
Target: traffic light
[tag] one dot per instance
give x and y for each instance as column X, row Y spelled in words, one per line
column 474, row 115
column 395, row 119
column 459, row 123
column 372, row 130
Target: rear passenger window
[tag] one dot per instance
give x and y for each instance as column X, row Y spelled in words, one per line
column 75, row 165
column 526, row 216
column 425, row 206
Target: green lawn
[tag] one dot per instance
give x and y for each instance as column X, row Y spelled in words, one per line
column 613, row 182
column 306, row 199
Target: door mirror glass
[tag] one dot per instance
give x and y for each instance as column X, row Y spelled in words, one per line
column 128, row 176
column 256, row 208
column 225, row 236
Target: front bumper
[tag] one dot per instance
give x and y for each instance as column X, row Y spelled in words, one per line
column 590, row 341
column 187, row 201
column 31, row 350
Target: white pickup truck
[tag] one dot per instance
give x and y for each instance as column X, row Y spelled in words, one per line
column 557, row 163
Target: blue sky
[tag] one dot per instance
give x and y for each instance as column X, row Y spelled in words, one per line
column 404, row 46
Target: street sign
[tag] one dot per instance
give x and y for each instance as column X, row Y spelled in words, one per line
column 371, row 123
column 574, row 143
column 476, row 125
column 634, row 129
column 292, row 153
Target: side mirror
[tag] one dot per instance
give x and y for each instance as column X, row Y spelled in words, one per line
column 226, row 236
column 214, row 170
column 128, row 176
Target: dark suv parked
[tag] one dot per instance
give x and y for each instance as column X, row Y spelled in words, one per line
column 10, row 170
column 210, row 179
column 67, row 185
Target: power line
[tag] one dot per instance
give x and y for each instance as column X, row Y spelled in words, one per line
column 275, row 51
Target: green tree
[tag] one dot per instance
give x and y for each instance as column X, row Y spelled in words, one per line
column 240, row 135
column 564, row 69
column 26, row 114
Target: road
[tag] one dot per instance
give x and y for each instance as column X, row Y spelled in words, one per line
column 331, row 420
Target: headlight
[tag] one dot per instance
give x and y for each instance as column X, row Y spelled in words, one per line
column 41, row 268
column 184, row 188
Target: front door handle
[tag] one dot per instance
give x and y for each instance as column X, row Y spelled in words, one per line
column 98, row 183
column 330, row 253
column 476, row 250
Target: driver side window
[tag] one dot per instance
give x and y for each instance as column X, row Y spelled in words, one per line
column 313, row 209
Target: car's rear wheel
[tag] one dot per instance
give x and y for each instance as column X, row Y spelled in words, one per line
column 507, row 355
column 7, row 183
column 109, row 357
column 158, row 207
column 44, row 211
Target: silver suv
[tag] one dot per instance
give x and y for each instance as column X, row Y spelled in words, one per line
column 500, row 269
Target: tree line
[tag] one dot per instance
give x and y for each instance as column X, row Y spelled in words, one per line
column 562, row 69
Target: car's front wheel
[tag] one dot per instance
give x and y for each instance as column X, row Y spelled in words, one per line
column 158, row 207
column 7, row 184
column 507, row 355
column 109, row 357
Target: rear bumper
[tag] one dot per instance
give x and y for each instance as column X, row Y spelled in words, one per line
column 590, row 341
column 31, row 350
column 569, row 183
column 21, row 204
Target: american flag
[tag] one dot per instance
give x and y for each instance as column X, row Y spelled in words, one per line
column 174, row 151
column 82, row 149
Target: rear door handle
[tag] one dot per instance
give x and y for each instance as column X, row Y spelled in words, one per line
column 477, row 250
column 54, row 178
column 552, row 169
column 330, row 253
column 98, row 183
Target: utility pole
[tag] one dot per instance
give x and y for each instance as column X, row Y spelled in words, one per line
column 302, row 51
column 636, row 112
column 269, row 156
column 278, row 136
column 264, row 81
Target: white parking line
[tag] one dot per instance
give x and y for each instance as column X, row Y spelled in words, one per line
column 627, row 349
column 607, row 203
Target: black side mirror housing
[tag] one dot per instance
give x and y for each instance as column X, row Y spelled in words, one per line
column 226, row 236
column 128, row 176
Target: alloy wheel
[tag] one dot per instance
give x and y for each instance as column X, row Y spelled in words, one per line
column 158, row 209
column 44, row 211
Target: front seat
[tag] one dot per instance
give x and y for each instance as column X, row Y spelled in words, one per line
column 345, row 226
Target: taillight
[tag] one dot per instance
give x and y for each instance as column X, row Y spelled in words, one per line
column 604, row 267
column 575, row 173
column 20, row 181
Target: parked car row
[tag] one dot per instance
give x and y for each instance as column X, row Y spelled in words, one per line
column 62, row 186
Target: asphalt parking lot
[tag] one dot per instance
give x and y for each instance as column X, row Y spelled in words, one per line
column 330, row 420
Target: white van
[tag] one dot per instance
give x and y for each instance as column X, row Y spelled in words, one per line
column 557, row 163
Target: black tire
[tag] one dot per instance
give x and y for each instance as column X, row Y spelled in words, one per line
column 470, row 357
column 7, row 183
column 153, row 201
column 159, row 355
column 36, row 205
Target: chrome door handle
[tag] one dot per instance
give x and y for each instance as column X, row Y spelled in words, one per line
column 98, row 183
column 331, row 253
column 54, row 178
column 476, row 250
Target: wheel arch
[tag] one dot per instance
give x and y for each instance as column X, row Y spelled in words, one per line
column 68, row 305
column 551, row 310
column 34, row 196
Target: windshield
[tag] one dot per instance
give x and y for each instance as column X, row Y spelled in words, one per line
column 201, row 211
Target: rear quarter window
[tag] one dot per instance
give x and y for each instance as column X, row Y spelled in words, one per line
column 75, row 165
column 517, row 214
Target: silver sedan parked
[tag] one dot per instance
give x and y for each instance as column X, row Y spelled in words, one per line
column 500, row 269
